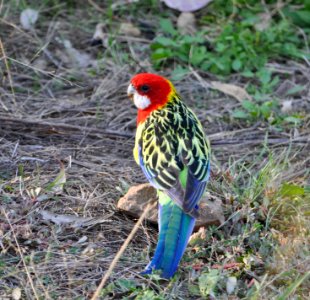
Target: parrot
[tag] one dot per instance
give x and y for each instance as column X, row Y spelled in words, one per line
column 174, row 155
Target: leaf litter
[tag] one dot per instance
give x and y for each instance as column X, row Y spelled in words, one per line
column 69, row 236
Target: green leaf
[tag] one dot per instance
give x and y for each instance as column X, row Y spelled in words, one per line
column 161, row 53
column 273, row 82
column 264, row 76
column 220, row 47
column 292, row 119
column 188, row 39
column 293, row 190
column 182, row 56
column 248, row 74
column 126, row 284
column 194, row 290
column 148, row 295
column 58, row 184
column 198, row 55
column 302, row 17
column 167, row 26
column 237, row 64
column 266, row 108
column 107, row 290
column 296, row 89
column 21, row 170
column 178, row 73
column 240, row 114
column 249, row 106
column 164, row 41
column 222, row 64
column 207, row 282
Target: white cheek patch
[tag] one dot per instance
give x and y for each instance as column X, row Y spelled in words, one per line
column 141, row 102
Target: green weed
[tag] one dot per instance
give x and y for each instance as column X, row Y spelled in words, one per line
column 235, row 47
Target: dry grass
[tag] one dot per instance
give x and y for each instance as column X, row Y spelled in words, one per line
column 54, row 113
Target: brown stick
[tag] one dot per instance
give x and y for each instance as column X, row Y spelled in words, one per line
column 121, row 251
column 57, row 128
column 21, row 256
column 66, row 129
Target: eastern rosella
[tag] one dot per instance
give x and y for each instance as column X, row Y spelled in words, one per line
column 174, row 155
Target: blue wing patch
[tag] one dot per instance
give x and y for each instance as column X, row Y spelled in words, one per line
column 194, row 189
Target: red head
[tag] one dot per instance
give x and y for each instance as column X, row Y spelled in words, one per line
column 149, row 92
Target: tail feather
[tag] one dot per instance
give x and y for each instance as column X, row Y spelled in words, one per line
column 163, row 221
column 175, row 228
column 186, row 226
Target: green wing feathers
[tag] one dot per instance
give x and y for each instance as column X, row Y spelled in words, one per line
column 170, row 141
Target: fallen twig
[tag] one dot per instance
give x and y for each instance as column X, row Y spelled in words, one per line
column 49, row 128
column 121, row 251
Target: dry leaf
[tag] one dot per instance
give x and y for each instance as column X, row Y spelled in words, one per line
column 63, row 219
column 71, row 220
column 198, row 237
column 287, row 106
column 74, row 57
column 129, row 29
column 58, row 184
column 82, row 240
column 28, row 18
column 77, row 57
column 232, row 90
column 16, row 293
column 100, row 37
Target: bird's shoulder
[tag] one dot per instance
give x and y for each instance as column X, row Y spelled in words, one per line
column 175, row 117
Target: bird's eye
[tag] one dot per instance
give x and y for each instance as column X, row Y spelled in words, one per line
column 144, row 88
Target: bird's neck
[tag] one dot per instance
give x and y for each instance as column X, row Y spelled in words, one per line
column 143, row 114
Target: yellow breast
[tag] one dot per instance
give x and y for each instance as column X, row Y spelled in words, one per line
column 136, row 148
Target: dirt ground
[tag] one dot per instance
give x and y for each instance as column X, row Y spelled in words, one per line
column 66, row 139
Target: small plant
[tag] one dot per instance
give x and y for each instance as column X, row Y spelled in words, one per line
column 264, row 106
column 235, row 47
column 253, row 111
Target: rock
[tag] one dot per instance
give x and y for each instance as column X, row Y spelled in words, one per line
column 134, row 203
column 211, row 213
column 129, row 29
column 186, row 23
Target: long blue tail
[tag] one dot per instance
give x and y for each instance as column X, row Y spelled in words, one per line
column 175, row 228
